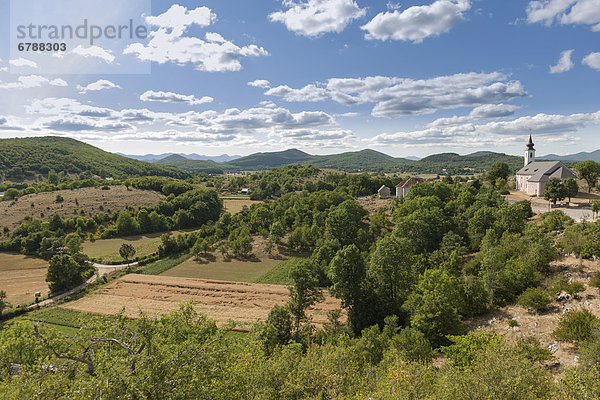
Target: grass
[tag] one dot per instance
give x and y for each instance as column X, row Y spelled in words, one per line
column 21, row 276
column 62, row 320
column 235, row 205
column 280, row 274
column 219, row 269
column 160, row 266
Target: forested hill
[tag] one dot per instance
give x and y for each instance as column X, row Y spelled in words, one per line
column 358, row 161
column 24, row 157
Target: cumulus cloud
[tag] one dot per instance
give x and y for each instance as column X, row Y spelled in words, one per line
column 22, row 62
column 564, row 63
column 260, row 83
column 31, row 81
column 418, row 22
column 592, row 60
column 101, row 84
column 316, row 17
column 552, row 128
column 95, row 52
column 167, row 43
column 170, row 97
column 584, row 12
column 395, row 97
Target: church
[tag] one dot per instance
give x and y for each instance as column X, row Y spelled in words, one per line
column 532, row 178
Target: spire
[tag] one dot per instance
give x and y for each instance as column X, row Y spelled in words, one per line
column 530, row 144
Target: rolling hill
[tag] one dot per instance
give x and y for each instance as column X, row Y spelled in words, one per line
column 22, row 158
column 192, row 156
column 583, row 156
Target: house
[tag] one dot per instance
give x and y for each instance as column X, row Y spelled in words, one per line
column 403, row 188
column 245, row 191
column 1, row 194
column 384, row 192
column 532, row 178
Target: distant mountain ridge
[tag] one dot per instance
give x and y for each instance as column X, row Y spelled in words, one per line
column 192, row 156
column 582, row 156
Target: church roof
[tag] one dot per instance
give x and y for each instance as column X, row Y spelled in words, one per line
column 542, row 171
column 410, row 182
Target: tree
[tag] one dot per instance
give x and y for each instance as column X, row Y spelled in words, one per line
column 3, row 303
column 201, row 247
column 344, row 222
column 127, row 251
column 126, row 224
column 589, row 171
column 555, row 190
column 596, row 207
column 498, row 170
column 63, row 273
column 572, row 188
column 304, row 292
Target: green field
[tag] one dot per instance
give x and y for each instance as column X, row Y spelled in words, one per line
column 280, row 274
column 233, row 270
column 234, row 205
column 62, row 320
column 108, row 249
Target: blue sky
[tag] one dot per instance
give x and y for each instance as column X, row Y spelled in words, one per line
column 324, row 76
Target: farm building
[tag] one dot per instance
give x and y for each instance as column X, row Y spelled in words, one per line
column 403, row 188
column 245, row 191
column 384, row 192
column 532, row 178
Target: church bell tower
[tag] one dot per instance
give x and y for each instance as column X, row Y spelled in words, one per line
column 529, row 151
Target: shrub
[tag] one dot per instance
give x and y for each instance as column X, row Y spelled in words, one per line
column 536, row 299
column 513, row 323
column 595, row 280
column 576, row 326
column 412, row 345
column 575, row 287
column 59, row 198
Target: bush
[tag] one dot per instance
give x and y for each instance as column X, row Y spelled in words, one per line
column 595, row 280
column 412, row 345
column 576, row 326
column 575, row 287
column 536, row 299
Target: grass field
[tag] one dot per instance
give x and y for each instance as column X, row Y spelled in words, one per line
column 160, row 266
column 21, row 276
column 220, row 300
column 219, row 269
column 280, row 274
column 234, row 205
column 61, row 319
column 88, row 200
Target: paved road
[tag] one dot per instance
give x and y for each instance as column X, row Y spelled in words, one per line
column 578, row 214
column 102, row 270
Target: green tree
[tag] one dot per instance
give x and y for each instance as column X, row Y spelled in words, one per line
column 500, row 170
column 304, row 292
column 11, row 194
column 63, row 273
column 596, row 207
column 572, row 188
column 127, row 251
column 200, row 248
column 589, row 171
column 344, row 222
column 126, row 224
column 3, row 303
column 555, row 190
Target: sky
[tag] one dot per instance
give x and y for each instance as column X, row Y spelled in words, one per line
column 325, row 76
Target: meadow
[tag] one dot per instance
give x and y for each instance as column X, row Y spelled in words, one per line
column 88, row 201
column 235, row 204
column 21, row 276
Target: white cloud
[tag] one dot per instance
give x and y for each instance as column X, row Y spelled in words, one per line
column 552, row 128
column 31, row 81
column 167, row 43
column 101, row 84
column 490, row 111
column 564, row 63
column 22, row 62
column 316, row 17
column 394, row 97
column 260, row 83
column 169, row 97
column 94, row 51
column 585, row 12
column 418, row 22
column 308, row 93
column 592, row 60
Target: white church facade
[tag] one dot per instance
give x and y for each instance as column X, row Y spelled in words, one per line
column 532, row 178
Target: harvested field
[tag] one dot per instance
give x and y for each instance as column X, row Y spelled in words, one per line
column 89, row 200
column 219, row 269
column 220, row 300
column 234, row 205
column 21, row 276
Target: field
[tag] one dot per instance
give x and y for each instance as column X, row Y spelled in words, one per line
column 89, row 200
column 63, row 320
column 220, row 300
column 21, row 276
column 219, row 269
column 234, row 205
column 108, row 249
